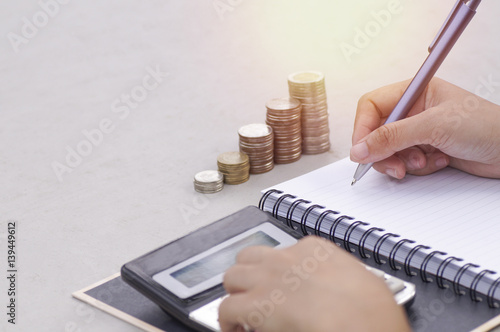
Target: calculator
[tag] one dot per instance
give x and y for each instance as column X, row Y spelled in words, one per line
column 404, row 293
column 184, row 277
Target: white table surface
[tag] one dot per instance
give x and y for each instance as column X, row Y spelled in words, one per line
column 133, row 192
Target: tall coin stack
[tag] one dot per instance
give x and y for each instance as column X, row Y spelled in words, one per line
column 309, row 88
column 283, row 115
column 235, row 166
column 256, row 140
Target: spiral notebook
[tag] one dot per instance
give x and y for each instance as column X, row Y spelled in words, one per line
column 444, row 227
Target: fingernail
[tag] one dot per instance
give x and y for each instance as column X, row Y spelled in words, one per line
column 391, row 172
column 360, row 151
column 415, row 161
column 441, row 162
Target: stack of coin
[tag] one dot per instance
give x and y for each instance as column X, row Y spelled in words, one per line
column 235, row 166
column 208, row 182
column 283, row 115
column 256, row 140
column 309, row 88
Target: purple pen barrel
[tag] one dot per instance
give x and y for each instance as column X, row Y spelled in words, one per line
column 455, row 24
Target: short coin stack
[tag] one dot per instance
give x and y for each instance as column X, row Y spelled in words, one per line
column 309, row 88
column 256, row 140
column 208, row 182
column 283, row 115
column 235, row 166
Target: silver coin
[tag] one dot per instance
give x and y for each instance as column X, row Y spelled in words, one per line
column 208, row 176
column 255, row 130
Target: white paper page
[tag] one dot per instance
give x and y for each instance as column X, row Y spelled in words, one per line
column 450, row 211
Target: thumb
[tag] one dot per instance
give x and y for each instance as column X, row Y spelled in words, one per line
column 385, row 141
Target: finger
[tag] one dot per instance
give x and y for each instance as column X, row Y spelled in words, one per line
column 252, row 255
column 410, row 160
column 233, row 313
column 374, row 108
column 394, row 137
column 406, row 161
column 392, row 166
column 239, row 278
column 435, row 161
column 414, row 158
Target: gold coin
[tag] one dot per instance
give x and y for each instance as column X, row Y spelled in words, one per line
column 235, row 166
column 232, row 158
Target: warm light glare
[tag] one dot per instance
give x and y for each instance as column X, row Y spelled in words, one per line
column 351, row 36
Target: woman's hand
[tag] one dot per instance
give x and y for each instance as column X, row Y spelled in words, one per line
column 446, row 126
column 311, row 286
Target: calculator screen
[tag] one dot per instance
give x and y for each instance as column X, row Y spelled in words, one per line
column 206, row 269
column 219, row 261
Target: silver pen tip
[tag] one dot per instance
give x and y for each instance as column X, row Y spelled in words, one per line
column 353, row 182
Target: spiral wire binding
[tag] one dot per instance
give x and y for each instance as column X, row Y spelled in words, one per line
column 378, row 246
column 392, row 254
column 319, row 221
column 264, row 197
column 362, row 241
column 490, row 296
column 303, row 220
column 423, row 266
column 475, row 283
column 333, row 228
column 442, row 267
column 291, row 209
column 280, row 200
column 408, row 258
column 458, row 276
column 347, row 235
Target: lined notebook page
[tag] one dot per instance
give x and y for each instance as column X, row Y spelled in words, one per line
column 450, row 210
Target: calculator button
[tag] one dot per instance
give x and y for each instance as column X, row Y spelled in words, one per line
column 208, row 315
column 403, row 292
column 395, row 285
column 377, row 272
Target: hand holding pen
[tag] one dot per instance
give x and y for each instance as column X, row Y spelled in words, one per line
column 453, row 27
column 447, row 126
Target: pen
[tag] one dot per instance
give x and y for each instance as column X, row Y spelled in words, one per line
column 455, row 24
